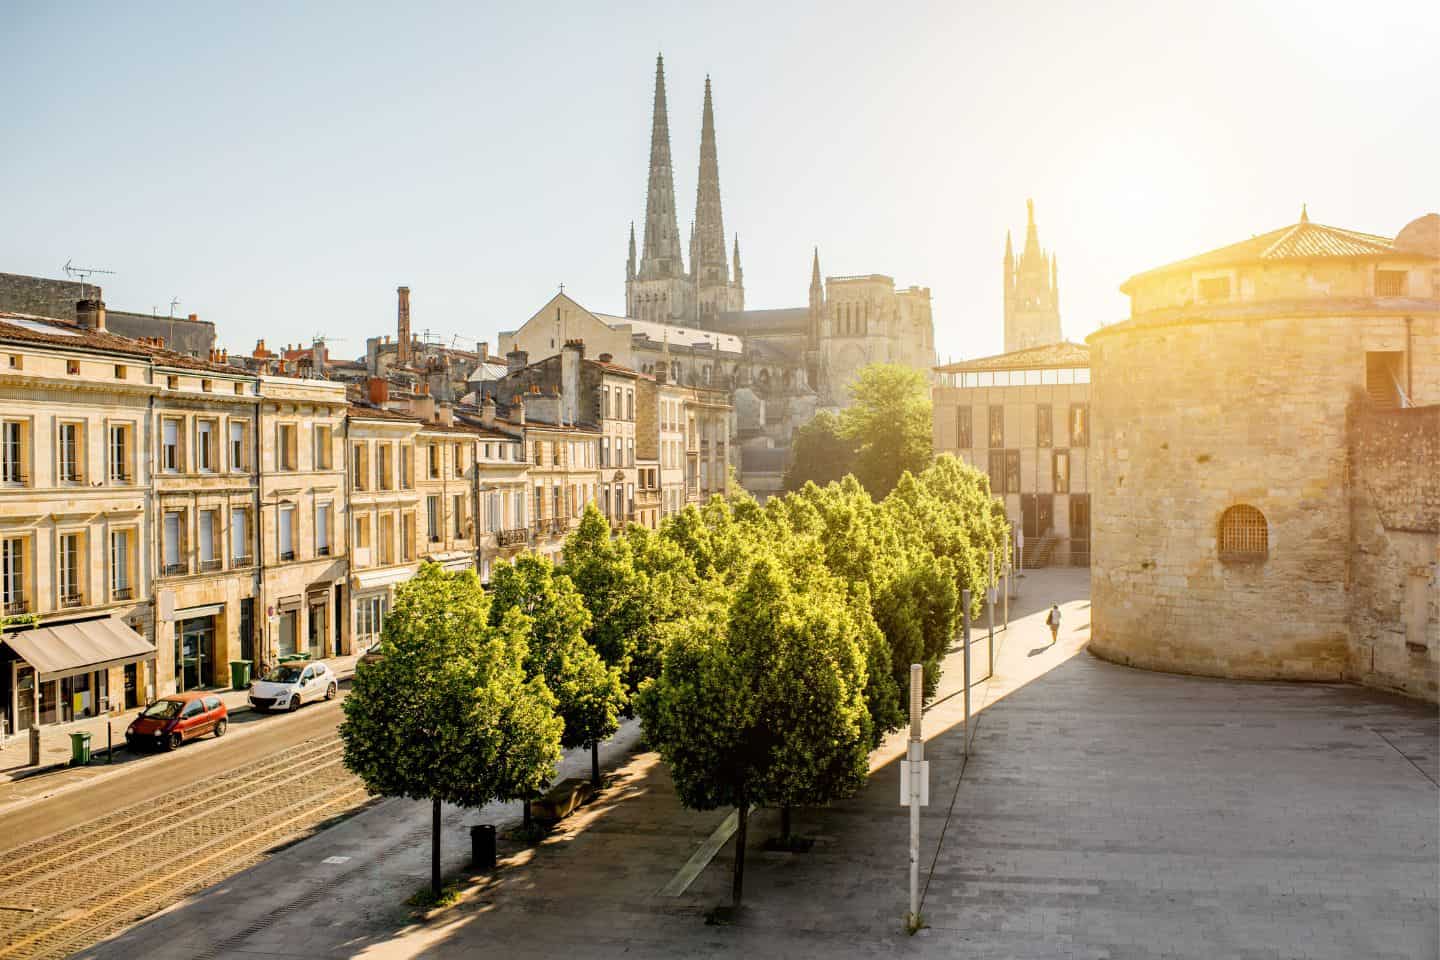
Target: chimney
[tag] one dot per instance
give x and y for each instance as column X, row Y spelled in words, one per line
column 483, row 348
column 516, row 360
column 194, row 318
column 570, row 360
column 606, row 357
column 445, row 414
column 487, row 411
column 660, row 370
column 91, row 314
column 520, row 409
column 403, row 323
column 379, row 390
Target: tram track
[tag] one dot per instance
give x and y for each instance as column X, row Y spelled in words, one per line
column 68, row 890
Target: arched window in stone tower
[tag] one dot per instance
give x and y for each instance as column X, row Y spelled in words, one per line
column 1244, row 534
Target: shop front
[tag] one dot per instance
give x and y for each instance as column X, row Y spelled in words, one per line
column 61, row 673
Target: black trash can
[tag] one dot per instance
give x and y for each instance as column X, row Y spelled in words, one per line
column 482, row 846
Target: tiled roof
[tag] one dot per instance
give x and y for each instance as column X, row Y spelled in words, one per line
column 26, row 328
column 1062, row 354
column 1301, row 241
column 761, row 322
column 357, row 411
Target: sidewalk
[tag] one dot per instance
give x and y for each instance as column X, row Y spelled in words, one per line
column 55, row 739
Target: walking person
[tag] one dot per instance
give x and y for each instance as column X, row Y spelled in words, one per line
column 1054, row 621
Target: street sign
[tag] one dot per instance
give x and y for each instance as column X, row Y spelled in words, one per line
column 905, row 786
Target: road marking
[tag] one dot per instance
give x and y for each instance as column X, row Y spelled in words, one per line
column 336, row 860
column 701, row 858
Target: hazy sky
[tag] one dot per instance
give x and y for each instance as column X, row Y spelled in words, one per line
column 281, row 168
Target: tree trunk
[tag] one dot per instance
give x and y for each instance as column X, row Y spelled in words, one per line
column 744, row 816
column 526, row 824
column 785, row 824
column 435, row 847
column 595, row 764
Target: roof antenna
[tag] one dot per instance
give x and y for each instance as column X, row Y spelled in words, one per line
column 174, row 302
column 84, row 273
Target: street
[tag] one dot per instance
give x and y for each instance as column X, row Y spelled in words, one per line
column 84, row 863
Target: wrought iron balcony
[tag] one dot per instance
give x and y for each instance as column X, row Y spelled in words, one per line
column 509, row 538
column 287, row 554
column 69, row 600
column 122, row 593
column 174, row 569
column 209, row 566
column 17, row 606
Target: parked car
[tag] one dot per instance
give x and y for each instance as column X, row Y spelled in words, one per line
column 170, row 721
column 289, row 685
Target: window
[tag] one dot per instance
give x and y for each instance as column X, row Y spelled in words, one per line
column 173, row 552
column 360, row 466
column 208, row 522
column 387, row 538
column 605, row 402
column 432, row 518
column 1389, row 283
column 14, row 451
column 205, row 452
column 1213, row 289
column 630, row 404
column 1060, row 471
column 71, row 577
column 459, row 465
column 384, row 461
column 323, row 513
column 239, row 459
column 122, row 545
column 458, row 512
column 369, row 620
column 432, row 451
column 12, row 575
column 17, row 362
column 1044, row 425
column 287, row 452
column 1244, row 535
column 72, row 452
column 207, row 385
column 1012, row 471
column 604, row 451
column 324, row 447
column 964, row 428
column 286, row 535
column 407, row 467
column 407, row 537
column 72, row 367
column 239, row 389
column 240, row 537
column 119, row 371
column 362, row 532
column 1079, row 425
column 119, row 448
column 997, row 426
column 170, row 445
column 172, row 382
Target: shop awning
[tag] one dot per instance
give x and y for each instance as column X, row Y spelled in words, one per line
column 71, row 648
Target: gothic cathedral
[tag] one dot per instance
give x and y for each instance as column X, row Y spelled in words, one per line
column 1032, row 292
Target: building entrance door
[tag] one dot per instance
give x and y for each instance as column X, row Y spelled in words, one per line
column 195, row 651
column 247, row 629
column 318, row 631
column 1080, row 529
column 132, row 686
column 24, row 697
column 287, row 632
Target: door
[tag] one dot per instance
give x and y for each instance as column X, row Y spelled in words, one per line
column 318, row 630
column 132, row 686
column 212, row 713
column 197, row 651
column 247, row 629
column 307, row 685
column 287, row 632
column 1080, row 529
column 337, row 618
column 1028, row 516
column 1044, row 513
column 192, row 720
column 24, row 697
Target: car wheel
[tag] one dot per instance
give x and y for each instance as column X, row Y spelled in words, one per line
column 294, row 703
column 174, row 741
column 330, row 692
column 221, row 726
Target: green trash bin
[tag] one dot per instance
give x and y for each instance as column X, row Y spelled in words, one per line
column 239, row 674
column 79, row 749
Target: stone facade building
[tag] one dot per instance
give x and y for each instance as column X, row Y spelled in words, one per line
column 1264, row 492
column 1024, row 418
column 46, row 297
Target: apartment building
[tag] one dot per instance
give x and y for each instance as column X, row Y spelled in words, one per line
column 707, row 443
column 303, row 521
column 502, row 489
column 385, row 510
column 202, row 438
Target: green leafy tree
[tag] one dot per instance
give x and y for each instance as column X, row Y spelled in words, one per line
column 819, row 453
column 448, row 713
column 889, row 421
column 761, row 699
column 588, row 692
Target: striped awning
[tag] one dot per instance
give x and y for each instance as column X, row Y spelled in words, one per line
column 72, row 648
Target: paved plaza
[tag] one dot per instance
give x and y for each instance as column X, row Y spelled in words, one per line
column 1103, row 812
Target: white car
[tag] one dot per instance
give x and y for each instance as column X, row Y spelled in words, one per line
column 289, row 685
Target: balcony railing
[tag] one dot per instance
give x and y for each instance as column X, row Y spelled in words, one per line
column 287, row 554
column 560, row 525
column 323, row 550
column 69, row 600
column 174, row 569
column 121, row 478
column 17, row 606
column 15, row 478
column 122, row 593
column 241, row 560
column 209, row 566
column 509, row 538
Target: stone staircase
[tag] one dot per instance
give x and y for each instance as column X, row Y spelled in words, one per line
column 1038, row 551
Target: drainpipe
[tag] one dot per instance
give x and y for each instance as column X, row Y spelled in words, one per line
column 1409, row 386
column 260, row 608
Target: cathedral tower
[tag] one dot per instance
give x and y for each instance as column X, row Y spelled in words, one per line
column 714, row 292
column 1032, row 292
column 659, row 288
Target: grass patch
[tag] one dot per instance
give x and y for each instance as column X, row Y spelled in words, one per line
column 425, row 899
column 914, row 923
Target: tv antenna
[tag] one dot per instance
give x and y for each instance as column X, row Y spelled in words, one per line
column 174, row 302
column 84, row 273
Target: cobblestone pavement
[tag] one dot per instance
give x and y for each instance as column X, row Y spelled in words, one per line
column 1104, row 813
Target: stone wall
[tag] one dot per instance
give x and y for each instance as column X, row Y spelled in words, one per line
column 1395, row 550
column 1201, row 413
column 181, row 334
column 43, row 297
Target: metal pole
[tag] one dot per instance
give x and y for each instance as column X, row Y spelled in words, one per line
column 915, row 754
column 965, row 627
column 1009, row 568
column 990, row 612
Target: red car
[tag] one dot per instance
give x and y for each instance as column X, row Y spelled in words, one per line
column 170, row 721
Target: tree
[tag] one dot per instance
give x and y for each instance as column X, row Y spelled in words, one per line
column 448, row 714
column 889, row 421
column 818, row 453
column 588, row 692
column 761, row 698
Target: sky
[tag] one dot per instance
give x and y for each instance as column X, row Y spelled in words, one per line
column 280, row 168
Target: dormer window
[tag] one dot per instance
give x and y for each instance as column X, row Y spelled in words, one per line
column 1213, row 289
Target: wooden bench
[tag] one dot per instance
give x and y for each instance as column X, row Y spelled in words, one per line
column 561, row 799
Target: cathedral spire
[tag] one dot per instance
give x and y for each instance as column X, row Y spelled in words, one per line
column 630, row 263
column 707, row 261
column 737, row 258
column 662, row 235
column 1032, row 236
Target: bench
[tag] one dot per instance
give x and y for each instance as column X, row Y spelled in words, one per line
column 560, row 800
